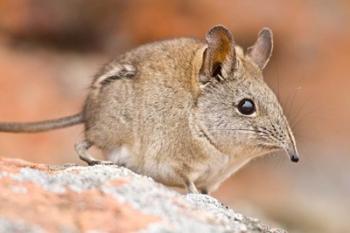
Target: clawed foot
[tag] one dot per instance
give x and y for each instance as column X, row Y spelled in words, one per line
column 204, row 191
column 100, row 162
column 82, row 148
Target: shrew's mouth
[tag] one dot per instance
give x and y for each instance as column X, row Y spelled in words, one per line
column 202, row 134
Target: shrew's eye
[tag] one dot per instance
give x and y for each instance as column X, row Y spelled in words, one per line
column 246, row 107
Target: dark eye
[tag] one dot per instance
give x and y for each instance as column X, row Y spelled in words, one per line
column 246, row 107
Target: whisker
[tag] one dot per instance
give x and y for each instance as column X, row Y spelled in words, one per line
column 300, row 114
column 266, row 135
column 290, row 103
column 294, row 97
column 248, row 130
column 278, row 85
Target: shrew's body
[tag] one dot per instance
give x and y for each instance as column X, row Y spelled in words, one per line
column 185, row 112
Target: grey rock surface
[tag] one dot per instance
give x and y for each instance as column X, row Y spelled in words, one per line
column 108, row 199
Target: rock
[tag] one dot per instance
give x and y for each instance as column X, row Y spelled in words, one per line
column 71, row 198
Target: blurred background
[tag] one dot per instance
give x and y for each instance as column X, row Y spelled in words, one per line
column 50, row 50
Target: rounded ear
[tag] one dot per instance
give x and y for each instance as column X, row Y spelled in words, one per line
column 261, row 51
column 219, row 56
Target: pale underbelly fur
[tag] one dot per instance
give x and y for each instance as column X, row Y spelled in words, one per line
column 218, row 170
column 209, row 176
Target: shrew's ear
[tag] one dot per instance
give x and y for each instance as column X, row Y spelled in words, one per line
column 219, row 58
column 261, row 51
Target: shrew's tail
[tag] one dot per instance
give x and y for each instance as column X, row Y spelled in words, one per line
column 40, row 126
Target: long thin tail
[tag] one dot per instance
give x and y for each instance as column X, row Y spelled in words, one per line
column 40, row 126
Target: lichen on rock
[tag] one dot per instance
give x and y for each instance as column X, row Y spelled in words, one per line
column 43, row 198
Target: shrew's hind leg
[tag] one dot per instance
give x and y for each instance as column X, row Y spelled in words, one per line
column 82, row 150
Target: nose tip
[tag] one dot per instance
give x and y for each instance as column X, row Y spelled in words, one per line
column 293, row 153
column 294, row 158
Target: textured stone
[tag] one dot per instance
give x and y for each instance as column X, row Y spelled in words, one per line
column 72, row 198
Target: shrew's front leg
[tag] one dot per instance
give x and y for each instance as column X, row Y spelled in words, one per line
column 190, row 186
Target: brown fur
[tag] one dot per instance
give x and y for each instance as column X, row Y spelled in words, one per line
column 169, row 110
column 167, row 123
